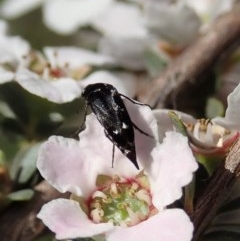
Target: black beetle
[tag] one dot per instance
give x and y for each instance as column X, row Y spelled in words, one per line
column 107, row 104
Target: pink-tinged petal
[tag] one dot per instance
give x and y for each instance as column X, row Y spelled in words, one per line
column 124, row 82
column 66, row 166
column 172, row 168
column 59, row 91
column 168, row 225
column 67, row 220
column 165, row 123
column 65, row 16
column 74, row 57
column 232, row 115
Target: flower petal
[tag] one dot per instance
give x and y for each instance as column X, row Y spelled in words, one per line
column 142, row 116
column 60, row 91
column 66, row 166
column 172, row 169
column 66, row 219
column 65, row 16
column 169, row 225
column 232, row 115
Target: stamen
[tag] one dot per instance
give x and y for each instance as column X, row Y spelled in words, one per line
column 99, row 194
column 209, row 135
column 144, row 196
column 46, row 73
column 196, row 130
column 113, row 190
column 96, row 215
column 133, row 216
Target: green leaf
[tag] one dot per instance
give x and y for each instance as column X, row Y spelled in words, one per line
column 189, row 192
column 48, row 237
column 177, row 122
column 22, row 195
column 210, row 163
column 9, row 144
column 154, row 62
column 5, row 111
column 13, row 95
column 24, row 164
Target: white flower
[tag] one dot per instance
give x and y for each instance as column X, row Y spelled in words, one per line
column 209, row 136
column 117, row 201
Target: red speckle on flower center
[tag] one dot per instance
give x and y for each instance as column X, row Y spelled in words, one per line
column 56, row 73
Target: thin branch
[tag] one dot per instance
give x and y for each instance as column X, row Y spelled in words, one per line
column 218, row 188
column 191, row 66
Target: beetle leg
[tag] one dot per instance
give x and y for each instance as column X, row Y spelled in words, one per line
column 113, row 151
column 84, row 117
column 135, row 102
column 75, row 135
column 141, row 131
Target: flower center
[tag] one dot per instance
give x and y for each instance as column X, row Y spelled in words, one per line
column 40, row 65
column 210, row 134
column 123, row 203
